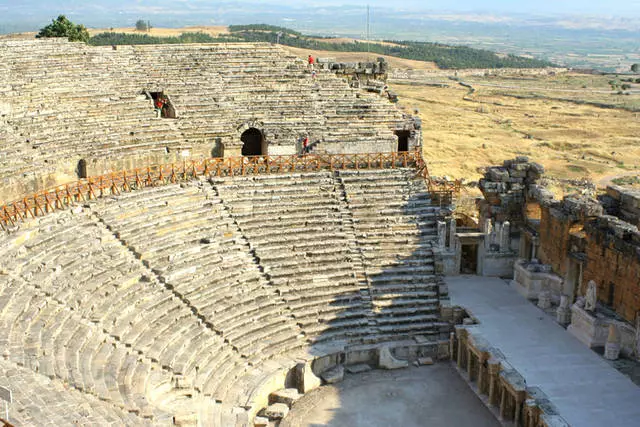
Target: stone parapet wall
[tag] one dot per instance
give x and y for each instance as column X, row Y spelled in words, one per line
column 503, row 389
column 623, row 203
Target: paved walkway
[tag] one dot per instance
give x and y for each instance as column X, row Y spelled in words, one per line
column 586, row 390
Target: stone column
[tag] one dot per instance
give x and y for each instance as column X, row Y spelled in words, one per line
column 461, row 352
column 612, row 347
column 488, row 230
column 563, row 314
column 452, row 345
column 481, row 374
column 452, row 235
column 505, row 237
column 534, row 245
column 470, row 360
column 442, row 235
column 517, row 412
column 494, row 368
column 503, row 402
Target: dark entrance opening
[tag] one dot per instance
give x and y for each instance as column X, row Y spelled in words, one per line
column 403, row 140
column 253, row 142
column 82, row 169
column 162, row 104
column 469, row 259
column 611, row 298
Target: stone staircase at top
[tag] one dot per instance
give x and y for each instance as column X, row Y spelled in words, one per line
column 395, row 226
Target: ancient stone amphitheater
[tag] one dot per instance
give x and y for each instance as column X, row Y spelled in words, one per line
column 192, row 298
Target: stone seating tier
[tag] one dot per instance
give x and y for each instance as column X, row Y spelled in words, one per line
column 69, row 102
column 155, row 301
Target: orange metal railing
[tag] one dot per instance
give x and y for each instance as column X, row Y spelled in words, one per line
column 59, row 197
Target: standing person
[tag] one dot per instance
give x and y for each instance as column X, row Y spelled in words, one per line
column 305, row 145
column 311, row 62
column 159, row 104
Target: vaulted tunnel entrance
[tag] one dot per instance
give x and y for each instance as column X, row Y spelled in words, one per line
column 162, row 104
column 403, row 140
column 253, row 143
column 82, row 168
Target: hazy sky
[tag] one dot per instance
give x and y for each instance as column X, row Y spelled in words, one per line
column 610, row 7
column 544, row 6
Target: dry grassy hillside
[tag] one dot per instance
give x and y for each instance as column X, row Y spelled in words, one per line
column 464, row 131
column 539, row 116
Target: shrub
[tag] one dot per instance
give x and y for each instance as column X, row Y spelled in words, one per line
column 62, row 27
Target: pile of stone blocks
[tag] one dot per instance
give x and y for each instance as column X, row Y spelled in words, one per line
column 623, row 203
column 504, row 188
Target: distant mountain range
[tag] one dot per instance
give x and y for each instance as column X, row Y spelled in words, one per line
column 600, row 41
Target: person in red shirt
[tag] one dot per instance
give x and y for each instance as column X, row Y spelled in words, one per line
column 159, row 104
column 305, row 145
column 311, row 61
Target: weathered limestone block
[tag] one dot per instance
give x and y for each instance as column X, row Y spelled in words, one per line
column 261, row 422
column 544, row 300
column 288, row 396
column 425, row 361
column 186, row 420
column 386, row 360
column 277, row 411
column 333, row 375
column 306, row 379
column 358, row 368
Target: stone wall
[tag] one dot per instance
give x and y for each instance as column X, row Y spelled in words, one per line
column 613, row 263
column 559, row 220
column 574, row 237
column 623, row 203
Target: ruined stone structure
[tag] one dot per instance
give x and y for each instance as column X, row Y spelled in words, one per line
column 68, row 110
column 567, row 246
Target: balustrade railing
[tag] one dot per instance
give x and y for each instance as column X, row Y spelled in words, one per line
column 61, row 196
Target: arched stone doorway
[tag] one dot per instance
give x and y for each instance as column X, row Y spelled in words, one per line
column 81, row 169
column 253, row 143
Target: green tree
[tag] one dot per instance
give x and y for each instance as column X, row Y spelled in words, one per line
column 141, row 25
column 635, row 68
column 62, row 27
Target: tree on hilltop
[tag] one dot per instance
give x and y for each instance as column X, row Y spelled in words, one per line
column 141, row 25
column 635, row 68
column 62, row 27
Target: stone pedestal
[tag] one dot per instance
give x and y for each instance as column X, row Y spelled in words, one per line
column 587, row 327
column 544, row 300
column 563, row 313
column 531, row 278
column 612, row 347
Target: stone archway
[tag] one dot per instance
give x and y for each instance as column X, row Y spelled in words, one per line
column 253, row 142
column 81, row 169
